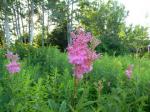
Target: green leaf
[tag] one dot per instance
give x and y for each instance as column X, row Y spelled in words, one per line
column 63, row 107
column 53, row 105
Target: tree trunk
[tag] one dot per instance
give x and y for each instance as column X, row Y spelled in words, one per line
column 68, row 23
column 23, row 31
column 69, row 19
column 32, row 24
column 29, row 23
column 18, row 20
column 6, row 24
column 16, row 23
column 14, row 27
column 3, row 25
column 21, row 18
column 42, row 23
column 48, row 22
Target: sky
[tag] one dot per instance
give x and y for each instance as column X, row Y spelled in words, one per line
column 139, row 12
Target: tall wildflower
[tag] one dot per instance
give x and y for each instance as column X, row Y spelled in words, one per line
column 13, row 66
column 81, row 52
column 129, row 71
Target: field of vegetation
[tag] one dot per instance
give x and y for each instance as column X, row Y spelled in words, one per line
column 72, row 56
column 46, row 84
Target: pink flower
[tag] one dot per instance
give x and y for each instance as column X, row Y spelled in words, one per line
column 129, row 71
column 80, row 54
column 13, row 67
column 11, row 56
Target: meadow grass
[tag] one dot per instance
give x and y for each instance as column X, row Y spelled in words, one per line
column 45, row 84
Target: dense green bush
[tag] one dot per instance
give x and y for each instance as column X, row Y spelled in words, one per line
column 112, row 45
column 46, row 58
column 24, row 50
column 58, row 37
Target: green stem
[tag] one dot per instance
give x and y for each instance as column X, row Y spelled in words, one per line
column 75, row 87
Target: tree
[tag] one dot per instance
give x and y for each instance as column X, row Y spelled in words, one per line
column 104, row 20
column 136, row 38
column 62, row 12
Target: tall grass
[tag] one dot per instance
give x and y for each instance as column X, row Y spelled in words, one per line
column 45, row 84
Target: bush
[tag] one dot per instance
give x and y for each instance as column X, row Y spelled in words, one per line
column 49, row 58
column 23, row 50
column 112, row 46
column 46, row 57
column 58, row 37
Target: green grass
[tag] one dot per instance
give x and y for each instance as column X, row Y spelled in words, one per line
column 45, row 84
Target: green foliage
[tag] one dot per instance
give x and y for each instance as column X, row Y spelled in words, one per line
column 24, row 50
column 53, row 92
column 136, row 38
column 25, row 38
column 59, row 11
column 38, row 40
column 106, row 17
column 112, row 45
column 1, row 38
column 58, row 37
column 2, row 61
column 106, row 20
column 46, row 57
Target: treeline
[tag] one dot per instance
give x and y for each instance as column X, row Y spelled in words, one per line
column 49, row 22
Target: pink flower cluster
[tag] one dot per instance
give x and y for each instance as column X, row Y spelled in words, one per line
column 129, row 71
column 13, row 66
column 80, row 54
